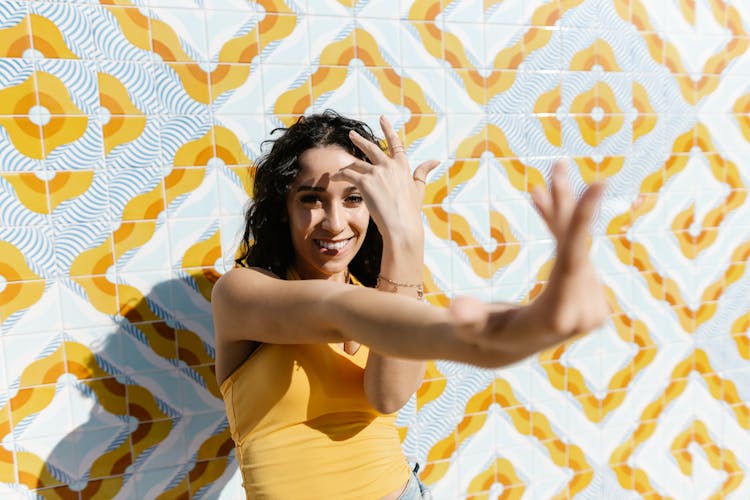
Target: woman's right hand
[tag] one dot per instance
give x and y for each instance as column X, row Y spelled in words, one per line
column 393, row 194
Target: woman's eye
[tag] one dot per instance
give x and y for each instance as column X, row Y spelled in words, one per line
column 354, row 199
column 310, row 199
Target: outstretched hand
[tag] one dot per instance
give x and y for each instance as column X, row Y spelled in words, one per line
column 573, row 300
column 392, row 193
column 574, row 297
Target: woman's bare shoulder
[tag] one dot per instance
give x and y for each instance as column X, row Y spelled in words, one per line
column 253, row 304
column 242, row 282
column 238, row 294
column 248, row 273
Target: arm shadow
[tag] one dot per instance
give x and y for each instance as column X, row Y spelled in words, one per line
column 149, row 421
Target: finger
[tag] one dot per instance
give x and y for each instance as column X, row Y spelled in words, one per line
column 395, row 145
column 587, row 205
column 424, row 169
column 353, row 172
column 420, row 176
column 562, row 199
column 543, row 203
column 348, row 174
column 370, row 149
column 360, row 166
column 576, row 246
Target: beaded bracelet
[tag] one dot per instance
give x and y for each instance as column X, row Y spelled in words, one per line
column 396, row 285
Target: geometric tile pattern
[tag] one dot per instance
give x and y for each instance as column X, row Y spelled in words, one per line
column 127, row 131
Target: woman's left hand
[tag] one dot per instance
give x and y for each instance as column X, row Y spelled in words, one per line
column 391, row 192
column 573, row 300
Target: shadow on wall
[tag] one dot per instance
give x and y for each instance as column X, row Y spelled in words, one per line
column 149, row 418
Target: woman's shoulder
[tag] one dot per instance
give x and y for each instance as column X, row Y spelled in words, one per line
column 238, row 296
column 249, row 272
column 242, row 280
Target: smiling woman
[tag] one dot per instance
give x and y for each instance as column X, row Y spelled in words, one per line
column 313, row 359
column 267, row 242
column 328, row 219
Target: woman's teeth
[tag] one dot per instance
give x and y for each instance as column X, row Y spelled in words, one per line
column 331, row 245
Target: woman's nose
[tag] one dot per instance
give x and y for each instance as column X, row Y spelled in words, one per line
column 334, row 220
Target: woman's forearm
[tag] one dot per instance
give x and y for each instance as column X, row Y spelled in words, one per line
column 250, row 305
column 390, row 381
column 392, row 326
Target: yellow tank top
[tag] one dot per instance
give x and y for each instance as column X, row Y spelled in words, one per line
column 303, row 427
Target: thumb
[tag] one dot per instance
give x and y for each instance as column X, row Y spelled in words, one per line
column 420, row 176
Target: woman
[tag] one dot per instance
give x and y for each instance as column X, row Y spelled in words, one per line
column 314, row 358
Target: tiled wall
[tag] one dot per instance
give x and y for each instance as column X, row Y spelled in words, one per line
column 126, row 131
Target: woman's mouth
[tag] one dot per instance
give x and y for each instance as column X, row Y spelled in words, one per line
column 332, row 246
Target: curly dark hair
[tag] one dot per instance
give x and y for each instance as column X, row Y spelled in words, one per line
column 266, row 242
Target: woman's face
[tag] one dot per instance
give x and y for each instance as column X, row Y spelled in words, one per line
column 327, row 219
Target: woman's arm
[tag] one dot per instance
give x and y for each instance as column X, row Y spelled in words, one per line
column 394, row 197
column 249, row 304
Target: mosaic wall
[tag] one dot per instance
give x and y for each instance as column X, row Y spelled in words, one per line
column 126, row 133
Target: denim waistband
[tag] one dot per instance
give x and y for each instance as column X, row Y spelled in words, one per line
column 415, row 489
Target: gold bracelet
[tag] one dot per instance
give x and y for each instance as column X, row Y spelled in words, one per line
column 396, row 285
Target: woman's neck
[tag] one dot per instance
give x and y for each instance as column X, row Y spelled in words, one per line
column 293, row 273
